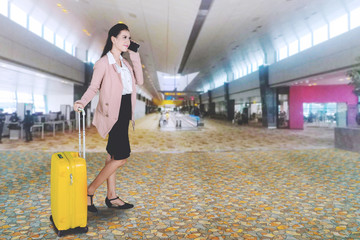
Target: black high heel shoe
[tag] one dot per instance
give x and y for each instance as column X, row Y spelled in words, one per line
column 92, row 207
column 110, row 205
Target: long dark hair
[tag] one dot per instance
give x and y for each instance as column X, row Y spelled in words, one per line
column 113, row 32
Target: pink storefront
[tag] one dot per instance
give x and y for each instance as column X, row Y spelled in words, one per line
column 320, row 94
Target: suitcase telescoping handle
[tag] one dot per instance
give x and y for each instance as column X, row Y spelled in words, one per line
column 83, row 120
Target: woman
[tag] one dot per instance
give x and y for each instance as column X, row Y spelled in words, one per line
column 115, row 79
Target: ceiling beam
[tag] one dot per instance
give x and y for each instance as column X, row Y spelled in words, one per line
column 199, row 21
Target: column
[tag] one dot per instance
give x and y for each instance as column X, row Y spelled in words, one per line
column 229, row 104
column 268, row 99
column 211, row 109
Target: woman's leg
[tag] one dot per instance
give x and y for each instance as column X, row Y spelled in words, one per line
column 111, row 187
column 111, row 181
column 104, row 174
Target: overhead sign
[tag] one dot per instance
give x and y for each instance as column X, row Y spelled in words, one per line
column 174, row 94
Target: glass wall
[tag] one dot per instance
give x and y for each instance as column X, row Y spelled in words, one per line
column 283, row 111
column 320, row 114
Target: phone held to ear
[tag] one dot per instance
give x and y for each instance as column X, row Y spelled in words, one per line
column 134, row 46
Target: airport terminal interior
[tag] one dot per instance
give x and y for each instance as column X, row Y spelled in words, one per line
column 247, row 124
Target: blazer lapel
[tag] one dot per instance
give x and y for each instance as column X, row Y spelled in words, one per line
column 116, row 73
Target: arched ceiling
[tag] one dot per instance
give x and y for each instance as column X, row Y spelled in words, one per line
column 233, row 31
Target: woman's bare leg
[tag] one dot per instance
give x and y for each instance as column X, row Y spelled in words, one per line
column 111, row 187
column 111, row 181
column 104, row 174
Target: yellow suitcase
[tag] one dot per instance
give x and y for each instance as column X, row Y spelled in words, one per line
column 69, row 190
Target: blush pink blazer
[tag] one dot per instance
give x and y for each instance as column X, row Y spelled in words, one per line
column 106, row 79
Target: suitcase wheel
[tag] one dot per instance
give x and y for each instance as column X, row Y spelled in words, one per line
column 77, row 230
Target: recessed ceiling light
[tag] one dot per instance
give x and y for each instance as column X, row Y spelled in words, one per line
column 203, row 12
column 86, row 32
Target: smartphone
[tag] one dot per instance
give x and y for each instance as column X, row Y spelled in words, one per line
column 133, row 46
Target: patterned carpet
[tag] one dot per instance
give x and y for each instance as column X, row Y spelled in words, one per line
column 237, row 193
column 215, row 136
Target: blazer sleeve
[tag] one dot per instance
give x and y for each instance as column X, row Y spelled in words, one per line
column 137, row 66
column 97, row 77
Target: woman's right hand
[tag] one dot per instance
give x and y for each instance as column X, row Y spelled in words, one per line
column 77, row 106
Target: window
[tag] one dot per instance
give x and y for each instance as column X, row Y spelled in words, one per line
column 283, row 53
column 4, row 7
column 305, row 42
column 24, row 97
column 246, row 71
column 39, row 103
column 7, row 96
column 18, row 15
column 220, row 79
column 254, row 66
column 242, row 72
column 249, row 68
column 59, row 41
column 48, row 35
column 206, row 87
column 236, row 73
column 68, row 47
column 293, row 48
column 339, row 26
column 355, row 18
column 217, row 82
column 260, row 61
column 8, row 101
column 321, row 35
column 35, row 26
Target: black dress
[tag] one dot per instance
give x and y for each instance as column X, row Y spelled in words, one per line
column 118, row 145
